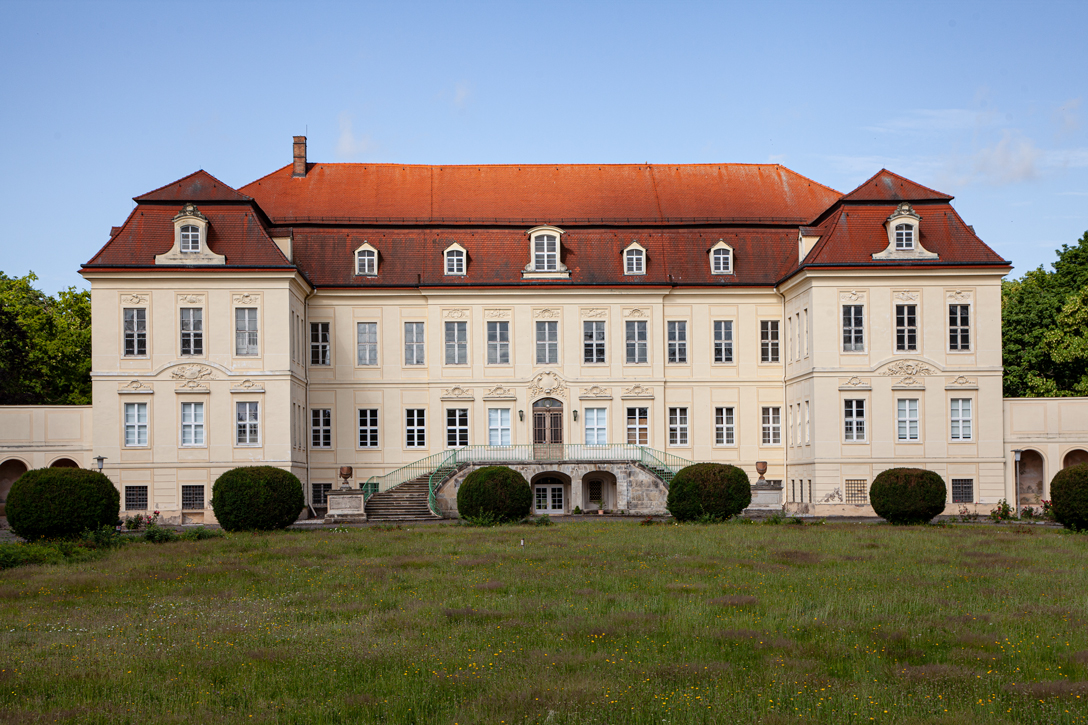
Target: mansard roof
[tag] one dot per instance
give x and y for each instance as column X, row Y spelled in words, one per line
column 196, row 187
column 887, row 186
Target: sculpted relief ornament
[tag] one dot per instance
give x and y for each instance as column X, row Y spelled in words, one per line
column 637, row 313
column 497, row 314
column 546, row 314
column 500, row 392
column 247, row 299
column 906, row 296
column 192, row 373
column 596, row 392
column 594, row 312
column 910, row 369
column 456, row 314
column 638, row 391
column 458, row 393
column 959, row 295
column 134, row 299
column 851, row 296
column 547, row 384
column 248, row 385
column 191, row 299
column 135, row 386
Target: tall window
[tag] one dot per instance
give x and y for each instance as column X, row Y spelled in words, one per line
column 638, row 426
column 368, row 427
column 498, row 426
column 907, row 419
column 135, row 424
column 135, row 331
column 593, row 342
column 413, row 343
column 678, row 341
column 190, row 238
column 547, row 343
column 192, row 424
column 768, row 341
column 415, row 428
column 906, row 327
column 321, row 428
column 723, row 341
column 853, row 337
column 320, row 348
column 596, row 426
column 772, row 426
column 635, row 261
column 854, row 420
column 721, row 261
column 678, row 426
column 455, row 262
column 498, row 343
column 456, row 343
column 724, row 434
column 959, row 327
column 636, row 341
column 192, row 331
column 248, row 424
column 545, row 253
column 456, row 427
column 961, row 419
column 245, row 331
column 366, row 262
column 904, row 236
column 368, row 343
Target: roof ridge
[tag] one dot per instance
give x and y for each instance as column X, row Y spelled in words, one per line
column 911, row 182
column 186, row 178
column 535, row 165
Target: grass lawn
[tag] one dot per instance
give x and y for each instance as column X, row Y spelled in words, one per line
column 588, row 622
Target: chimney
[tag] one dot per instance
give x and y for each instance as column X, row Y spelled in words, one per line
column 300, row 157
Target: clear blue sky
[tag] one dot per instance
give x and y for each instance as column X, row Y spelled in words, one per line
column 102, row 101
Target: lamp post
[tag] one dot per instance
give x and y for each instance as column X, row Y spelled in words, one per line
column 1016, row 455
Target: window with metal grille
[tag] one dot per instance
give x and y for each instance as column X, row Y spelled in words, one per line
column 320, row 348
column 959, row 327
column 413, row 343
column 963, row 490
column 456, row 343
column 768, row 341
column 135, row 331
column 368, row 427
column 456, row 427
column 961, row 419
column 547, row 343
column 857, row 490
column 854, row 420
column 636, row 341
column 190, row 238
column 245, row 330
column 853, row 335
column 135, row 498
column 545, row 253
column 192, row 331
column 498, row 343
column 638, row 426
column 321, row 493
column 906, row 327
column 596, row 490
column 135, row 424
column 321, row 428
column 498, row 426
column 723, row 341
column 593, row 342
column 678, row 426
column 367, row 343
column 192, row 498
column 248, row 424
column 723, row 426
column 907, row 412
column 904, row 236
column 677, row 341
column 415, row 428
column 772, row 426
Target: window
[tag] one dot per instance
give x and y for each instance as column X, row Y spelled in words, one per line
column 547, row 343
column 636, row 342
column 368, row 343
column 456, row 343
column 135, row 331
column 135, row 424
column 596, row 426
column 854, row 420
column 593, row 342
column 192, row 424
column 321, row 428
column 192, row 498
column 678, row 341
column 368, row 427
column 857, row 490
column 908, row 419
column 961, row 419
column 546, row 253
column 634, row 261
column 807, row 427
column 963, row 490
column 248, row 424
column 959, row 327
column 768, row 341
column 321, row 493
column 638, row 426
column 455, row 261
column 723, row 427
column 721, row 261
column 853, row 337
column 723, row 341
column 366, row 262
column 413, row 343
column 498, row 426
column 456, row 427
column 498, row 343
column 192, row 331
column 245, row 331
column 320, row 349
column 772, row 426
column 135, row 498
column 190, row 238
column 906, row 327
column 678, row 426
column 904, row 236
column 415, row 428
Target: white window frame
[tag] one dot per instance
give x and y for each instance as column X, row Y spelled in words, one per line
column 907, row 421
column 456, row 261
column 456, row 343
column 723, row 342
column 677, row 341
column 366, row 345
column 547, row 345
column 321, row 344
column 594, row 334
column 498, row 343
column 415, row 347
column 596, row 426
column 246, row 338
column 545, row 259
column 192, row 425
column 192, row 331
column 135, row 331
column 321, row 428
column 854, row 428
column 637, row 344
column 247, row 423
column 771, row 417
column 190, row 239
column 959, row 334
column 904, row 237
column 725, row 426
column 415, row 427
column 136, row 425
column 769, row 352
column 678, row 427
column 456, row 427
column 369, row 428
column 638, row 427
column 498, row 427
column 853, row 328
column 721, row 258
column 961, row 419
column 906, row 333
column 634, row 259
column 366, row 261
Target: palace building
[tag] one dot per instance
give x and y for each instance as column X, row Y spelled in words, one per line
column 596, row 327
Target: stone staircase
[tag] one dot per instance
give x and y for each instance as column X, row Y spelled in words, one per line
column 408, row 501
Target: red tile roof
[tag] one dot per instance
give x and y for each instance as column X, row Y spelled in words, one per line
column 196, row 187
column 887, row 186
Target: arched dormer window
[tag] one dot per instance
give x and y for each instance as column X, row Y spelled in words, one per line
column 456, row 259
column 545, row 252
column 190, row 238
column 366, row 261
column 634, row 259
column 904, row 236
column 721, row 258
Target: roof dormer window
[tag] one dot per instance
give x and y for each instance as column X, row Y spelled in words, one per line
column 190, row 238
column 721, row 258
column 545, row 247
column 366, row 261
column 904, row 236
column 634, row 259
column 456, row 259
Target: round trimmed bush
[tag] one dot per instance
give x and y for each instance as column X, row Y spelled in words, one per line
column 1069, row 497
column 908, row 495
column 495, row 491
column 713, row 490
column 257, row 498
column 52, row 503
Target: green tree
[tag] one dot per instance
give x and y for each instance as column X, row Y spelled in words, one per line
column 45, row 344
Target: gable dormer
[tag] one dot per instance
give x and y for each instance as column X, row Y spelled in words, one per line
column 545, row 254
column 904, row 238
column 366, row 260
column 634, row 258
column 721, row 258
column 190, row 240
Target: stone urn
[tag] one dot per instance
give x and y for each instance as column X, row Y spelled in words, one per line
column 761, row 468
column 346, row 471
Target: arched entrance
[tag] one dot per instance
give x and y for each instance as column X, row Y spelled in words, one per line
column 599, row 491
column 547, row 430
column 550, row 493
column 1031, row 478
column 1074, row 457
column 10, row 470
column 64, row 463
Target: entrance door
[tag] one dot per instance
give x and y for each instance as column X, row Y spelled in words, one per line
column 547, row 430
column 548, row 496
